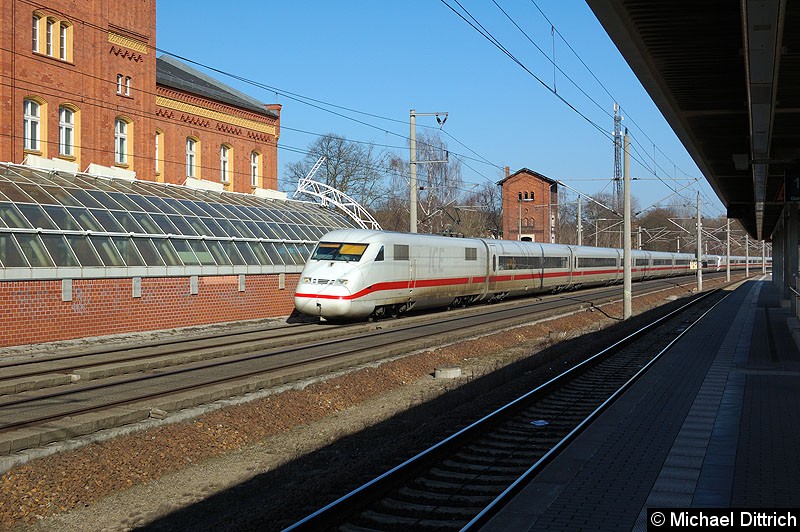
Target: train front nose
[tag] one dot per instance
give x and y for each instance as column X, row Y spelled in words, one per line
column 327, row 301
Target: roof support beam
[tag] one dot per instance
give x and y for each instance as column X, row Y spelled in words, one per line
column 763, row 30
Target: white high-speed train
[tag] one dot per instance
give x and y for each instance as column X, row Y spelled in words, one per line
column 356, row 273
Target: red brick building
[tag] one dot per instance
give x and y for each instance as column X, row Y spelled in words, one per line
column 530, row 206
column 81, row 85
column 83, row 95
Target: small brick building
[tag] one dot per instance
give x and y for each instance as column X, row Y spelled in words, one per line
column 530, row 206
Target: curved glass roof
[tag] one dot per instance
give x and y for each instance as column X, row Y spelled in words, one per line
column 64, row 225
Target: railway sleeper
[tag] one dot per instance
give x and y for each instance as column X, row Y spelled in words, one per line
column 480, row 468
column 398, row 507
column 492, row 442
column 517, row 459
column 492, row 452
column 393, row 522
column 460, row 499
column 470, row 477
column 440, row 486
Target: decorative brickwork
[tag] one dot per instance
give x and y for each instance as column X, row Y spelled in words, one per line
column 33, row 312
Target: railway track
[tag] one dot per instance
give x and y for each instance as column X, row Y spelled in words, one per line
column 459, row 483
column 176, row 375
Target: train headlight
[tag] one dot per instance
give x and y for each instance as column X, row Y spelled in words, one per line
column 306, row 279
column 341, row 282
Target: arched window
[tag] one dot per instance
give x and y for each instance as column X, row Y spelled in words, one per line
column 191, row 157
column 62, row 41
column 532, row 195
column 255, row 168
column 37, row 20
column 121, row 146
column 224, row 164
column 159, row 146
column 526, row 195
column 520, row 195
column 66, row 131
column 49, row 37
column 32, row 112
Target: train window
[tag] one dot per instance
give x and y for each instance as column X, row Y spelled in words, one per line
column 508, row 263
column 555, row 262
column 640, row 262
column 470, row 253
column 339, row 251
column 400, row 252
column 594, row 262
column 379, row 256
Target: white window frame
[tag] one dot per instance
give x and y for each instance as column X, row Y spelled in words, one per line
column 191, row 157
column 66, row 131
column 224, row 164
column 255, row 163
column 158, row 148
column 37, row 20
column 62, row 41
column 120, row 77
column 32, row 111
column 127, row 85
column 49, row 37
column 120, row 141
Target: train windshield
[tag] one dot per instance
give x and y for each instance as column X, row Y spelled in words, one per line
column 339, row 251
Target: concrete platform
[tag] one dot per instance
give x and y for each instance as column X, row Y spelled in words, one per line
column 714, row 423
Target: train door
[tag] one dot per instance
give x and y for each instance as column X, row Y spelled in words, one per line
column 412, row 274
column 491, row 278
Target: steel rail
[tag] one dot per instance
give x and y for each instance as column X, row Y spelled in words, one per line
column 8, row 427
column 362, row 496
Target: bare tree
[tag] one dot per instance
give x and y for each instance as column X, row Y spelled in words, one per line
column 352, row 168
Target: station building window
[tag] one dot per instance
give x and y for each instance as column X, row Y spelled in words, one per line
column 49, row 27
column 37, row 23
column 51, row 36
column 122, row 146
column 66, row 131
column 192, row 146
column 158, row 157
column 225, row 152
column 33, row 127
column 255, row 167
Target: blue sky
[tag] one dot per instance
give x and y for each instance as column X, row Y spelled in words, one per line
column 385, row 58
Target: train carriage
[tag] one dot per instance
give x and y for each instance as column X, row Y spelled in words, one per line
column 596, row 266
column 356, row 273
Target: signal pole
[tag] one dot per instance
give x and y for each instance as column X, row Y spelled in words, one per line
column 412, row 200
column 699, row 248
column 626, row 224
column 728, row 252
column 580, row 223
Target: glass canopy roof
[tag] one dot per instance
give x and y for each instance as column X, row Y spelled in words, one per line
column 64, row 225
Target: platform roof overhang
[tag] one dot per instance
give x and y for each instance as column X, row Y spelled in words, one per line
column 726, row 76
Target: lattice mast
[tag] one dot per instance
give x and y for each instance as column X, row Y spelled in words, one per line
column 617, row 157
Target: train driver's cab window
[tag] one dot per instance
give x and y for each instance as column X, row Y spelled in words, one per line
column 379, row 256
column 339, row 251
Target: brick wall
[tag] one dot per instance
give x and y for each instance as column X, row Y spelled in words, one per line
column 33, row 312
